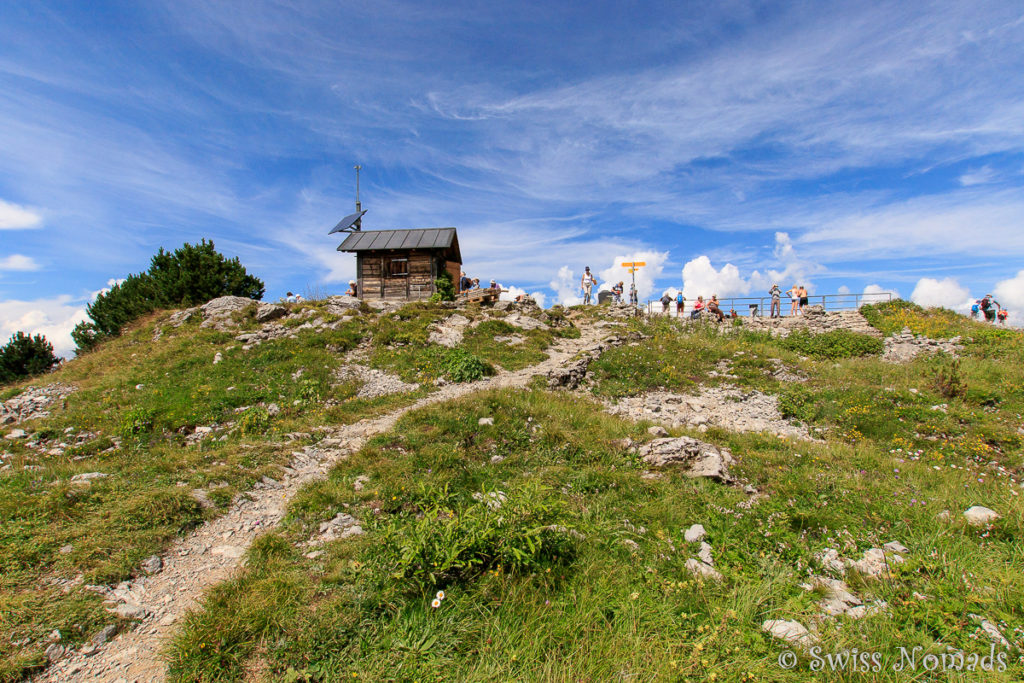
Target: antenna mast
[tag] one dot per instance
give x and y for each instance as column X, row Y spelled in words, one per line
column 359, row 207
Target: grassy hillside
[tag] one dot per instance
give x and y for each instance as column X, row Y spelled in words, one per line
column 179, row 436
column 559, row 552
column 580, row 573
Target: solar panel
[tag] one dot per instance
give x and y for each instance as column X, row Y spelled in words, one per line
column 347, row 222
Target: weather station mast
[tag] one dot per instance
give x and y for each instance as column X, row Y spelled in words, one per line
column 352, row 222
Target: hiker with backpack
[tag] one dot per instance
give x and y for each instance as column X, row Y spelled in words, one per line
column 665, row 301
column 1002, row 315
column 989, row 306
column 680, row 304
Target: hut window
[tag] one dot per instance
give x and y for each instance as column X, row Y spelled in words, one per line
column 398, row 267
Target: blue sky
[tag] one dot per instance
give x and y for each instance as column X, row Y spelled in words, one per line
column 847, row 146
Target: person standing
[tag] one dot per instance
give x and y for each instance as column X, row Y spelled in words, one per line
column 464, row 283
column 803, row 298
column 666, row 301
column 794, row 298
column 680, row 304
column 633, row 299
column 587, row 282
column 776, row 295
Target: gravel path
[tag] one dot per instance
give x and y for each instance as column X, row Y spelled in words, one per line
column 213, row 552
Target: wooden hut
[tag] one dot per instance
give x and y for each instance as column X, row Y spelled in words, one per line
column 401, row 265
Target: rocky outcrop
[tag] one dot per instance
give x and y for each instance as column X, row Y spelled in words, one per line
column 449, row 332
column 905, row 346
column 814, row 319
column 729, row 408
column 33, row 403
column 695, row 458
column 376, row 383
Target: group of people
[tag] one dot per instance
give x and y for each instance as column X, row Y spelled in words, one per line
column 990, row 308
column 712, row 306
column 467, row 283
column 798, row 300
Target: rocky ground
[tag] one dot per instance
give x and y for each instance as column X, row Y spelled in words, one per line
column 725, row 407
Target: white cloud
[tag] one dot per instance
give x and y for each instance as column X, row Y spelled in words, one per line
column 1010, row 294
column 14, row 217
column 566, row 287
column 700, row 278
column 873, row 294
column 947, row 293
column 54, row 318
column 979, row 176
column 18, row 262
column 843, row 289
column 645, row 275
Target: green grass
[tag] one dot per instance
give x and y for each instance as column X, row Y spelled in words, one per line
column 544, row 587
column 137, row 403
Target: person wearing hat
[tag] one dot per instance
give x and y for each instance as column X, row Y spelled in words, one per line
column 465, row 284
column 352, row 289
column 776, row 294
column 587, row 283
column 495, row 285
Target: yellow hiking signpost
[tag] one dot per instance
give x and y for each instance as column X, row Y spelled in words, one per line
column 633, row 266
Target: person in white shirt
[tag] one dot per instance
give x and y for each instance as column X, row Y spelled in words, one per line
column 587, row 283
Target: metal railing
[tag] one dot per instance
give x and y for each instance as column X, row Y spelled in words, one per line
column 748, row 306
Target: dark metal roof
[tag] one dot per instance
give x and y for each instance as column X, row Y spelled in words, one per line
column 424, row 238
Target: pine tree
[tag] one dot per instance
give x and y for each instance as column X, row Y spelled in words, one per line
column 24, row 356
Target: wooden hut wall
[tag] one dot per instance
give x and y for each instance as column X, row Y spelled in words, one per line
column 397, row 275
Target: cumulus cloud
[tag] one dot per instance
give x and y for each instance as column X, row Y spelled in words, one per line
column 701, row 278
column 54, row 318
column 566, row 287
column 645, row 276
column 1010, row 293
column 15, row 217
column 843, row 289
column 872, row 294
column 947, row 293
column 18, row 262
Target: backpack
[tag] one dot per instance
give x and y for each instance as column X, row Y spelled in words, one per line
column 974, row 308
column 986, row 304
column 679, row 298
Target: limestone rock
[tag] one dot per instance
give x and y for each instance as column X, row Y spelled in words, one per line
column 703, row 570
column 450, row 331
column 15, row 434
column 980, row 516
column 376, row 383
column 485, row 421
column 152, row 564
column 876, row 562
column 267, row 312
column 790, row 631
column 699, row 459
column 657, row 431
column 86, row 478
column 990, row 629
column 32, row 404
column 695, row 533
